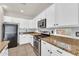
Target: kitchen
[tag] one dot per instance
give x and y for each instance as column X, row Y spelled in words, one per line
column 39, row 29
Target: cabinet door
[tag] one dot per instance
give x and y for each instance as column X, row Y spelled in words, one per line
column 45, row 49
column 23, row 39
column 66, row 14
column 26, row 38
column 30, row 39
column 4, row 52
column 42, row 15
column 32, row 24
column 51, row 50
column 55, row 51
column 61, row 52
column 50, row 16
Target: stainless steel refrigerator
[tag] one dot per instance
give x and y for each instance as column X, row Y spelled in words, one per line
column 10, row 32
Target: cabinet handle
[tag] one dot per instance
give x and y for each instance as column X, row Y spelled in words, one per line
column 56, row 24
column 48, row 50
column 59, row 51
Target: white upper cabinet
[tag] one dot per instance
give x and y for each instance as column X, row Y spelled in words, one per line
column 1, row 21
column 42, row 15
column 31, row 24
column 50, row 16
column 60, row 15
column 66, row 14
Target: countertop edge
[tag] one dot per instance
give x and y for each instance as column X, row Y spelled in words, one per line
column 6, row 43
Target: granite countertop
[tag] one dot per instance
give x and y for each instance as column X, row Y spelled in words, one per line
column 3, row 44
column 74, row 44
column 32, row 33
column 52, row 39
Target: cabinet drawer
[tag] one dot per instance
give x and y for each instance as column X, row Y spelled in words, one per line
column 61, row 52
column 55, row 51
column 64, row 53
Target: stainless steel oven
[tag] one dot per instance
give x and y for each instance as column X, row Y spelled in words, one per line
column 37, row 42
column 37, row 45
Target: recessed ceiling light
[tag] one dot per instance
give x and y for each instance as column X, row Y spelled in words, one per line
column 21, row 11
column 5, row 6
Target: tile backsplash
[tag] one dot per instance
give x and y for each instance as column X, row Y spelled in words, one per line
column 68, row 31
column 64, row 31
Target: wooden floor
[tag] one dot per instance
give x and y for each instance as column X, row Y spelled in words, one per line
column 22, row 50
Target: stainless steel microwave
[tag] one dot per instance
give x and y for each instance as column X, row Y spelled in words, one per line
column 42, row 23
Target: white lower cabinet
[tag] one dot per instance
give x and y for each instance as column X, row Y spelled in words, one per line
column 51, row 50
column 4, row 52
column 23, row 39
column 30, row 39
column 26, row 38
column 55, row 51
column 45, row 49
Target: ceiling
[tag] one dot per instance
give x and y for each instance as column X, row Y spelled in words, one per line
column 24, row 10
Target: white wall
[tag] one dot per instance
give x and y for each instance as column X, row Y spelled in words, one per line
column 1, row 21
column 23, row 23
